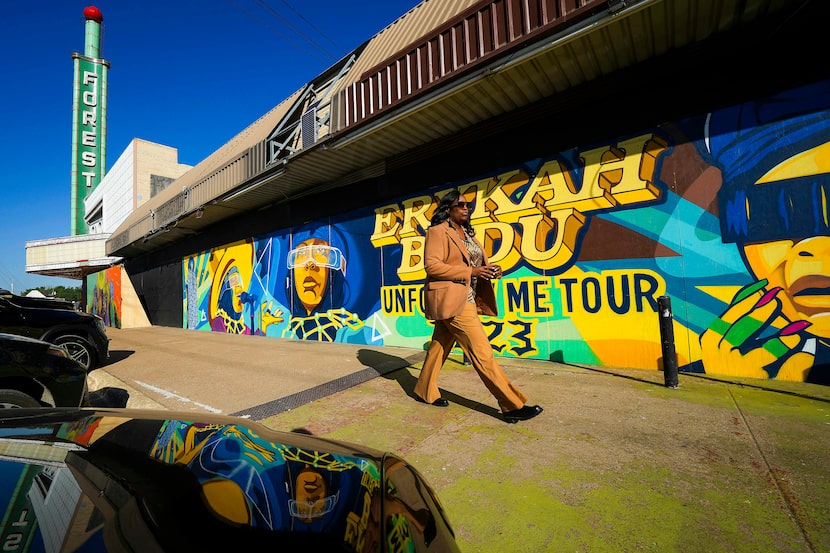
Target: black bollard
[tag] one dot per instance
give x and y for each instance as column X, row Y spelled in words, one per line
column 667, row 338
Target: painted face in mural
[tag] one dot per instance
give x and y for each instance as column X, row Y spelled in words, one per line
column 311, row 261
column 779, row 325
column 311, row 500
column 236, row 285
column 801, row 268
column 233, row 269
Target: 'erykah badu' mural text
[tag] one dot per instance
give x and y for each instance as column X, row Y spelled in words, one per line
column 535, row 218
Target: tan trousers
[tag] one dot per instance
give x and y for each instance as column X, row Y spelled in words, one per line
column 467, row 330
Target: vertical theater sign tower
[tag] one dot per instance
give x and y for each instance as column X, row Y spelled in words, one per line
column 101, row 197
column 89, row 118
column 82, row 251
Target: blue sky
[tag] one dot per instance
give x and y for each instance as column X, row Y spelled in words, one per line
column 189, row 74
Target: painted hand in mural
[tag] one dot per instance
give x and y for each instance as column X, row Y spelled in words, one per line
column 753, row 338
column 270, row 314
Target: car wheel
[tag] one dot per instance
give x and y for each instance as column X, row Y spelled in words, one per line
column 11, row 399
column 78, row 349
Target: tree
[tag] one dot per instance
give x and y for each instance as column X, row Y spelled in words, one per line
column 69, row 294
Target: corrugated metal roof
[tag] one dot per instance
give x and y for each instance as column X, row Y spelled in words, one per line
column 600, row 38
column 488, row 29
column 139, row 222
column 605, row 43
column 417, row 23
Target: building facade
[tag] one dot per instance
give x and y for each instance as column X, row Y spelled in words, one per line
column 613, row 153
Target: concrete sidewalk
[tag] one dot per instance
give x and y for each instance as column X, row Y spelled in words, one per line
column 617, row 461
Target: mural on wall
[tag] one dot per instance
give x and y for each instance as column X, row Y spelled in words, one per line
column 104, row 295
column 774, row 157
column 332, row 283
column 310, row 283
column 227, row 290
column 725, row 213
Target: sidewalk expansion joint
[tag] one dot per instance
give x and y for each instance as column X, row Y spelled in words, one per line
column 771, row 473
column 281, row 405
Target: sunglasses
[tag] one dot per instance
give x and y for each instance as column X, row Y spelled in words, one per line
column 461, row 204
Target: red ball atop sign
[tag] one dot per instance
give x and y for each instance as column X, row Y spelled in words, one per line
column 93, row 13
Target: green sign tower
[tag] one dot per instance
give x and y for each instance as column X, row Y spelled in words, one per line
column 89, row 118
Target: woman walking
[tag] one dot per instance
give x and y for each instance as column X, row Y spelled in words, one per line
column 457, row 289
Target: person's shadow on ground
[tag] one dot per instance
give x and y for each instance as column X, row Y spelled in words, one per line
column 117, row 355
column 395, row 368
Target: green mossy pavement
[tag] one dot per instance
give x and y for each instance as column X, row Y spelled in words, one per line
column 617, row 461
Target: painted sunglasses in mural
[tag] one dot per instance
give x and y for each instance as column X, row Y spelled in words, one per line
column 791, row 208
column 234, row 278
column 307, row 510
column 318, row 254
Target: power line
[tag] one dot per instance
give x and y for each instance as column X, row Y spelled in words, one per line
column 310, row 24
column 5, row 274
column 285, row 21
column 285, row 38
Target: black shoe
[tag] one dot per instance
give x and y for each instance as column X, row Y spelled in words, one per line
column 440, row 402
column 523, row 414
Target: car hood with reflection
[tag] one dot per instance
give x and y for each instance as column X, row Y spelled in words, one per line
column 127, row 480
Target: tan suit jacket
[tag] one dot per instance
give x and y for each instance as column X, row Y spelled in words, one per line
column 448, row 269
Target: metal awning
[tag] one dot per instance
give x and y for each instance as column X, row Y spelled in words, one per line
column 69, row 257
column 527, row 52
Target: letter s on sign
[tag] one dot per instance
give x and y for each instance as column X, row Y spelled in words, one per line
column 88, row 159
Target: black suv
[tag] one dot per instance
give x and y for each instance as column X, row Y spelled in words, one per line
column 83, row 335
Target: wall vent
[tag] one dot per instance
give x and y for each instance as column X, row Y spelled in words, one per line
column 308, row 125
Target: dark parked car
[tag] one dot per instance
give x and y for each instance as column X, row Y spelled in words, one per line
column 125, row 480
column 34, row 373
column 83, row 335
